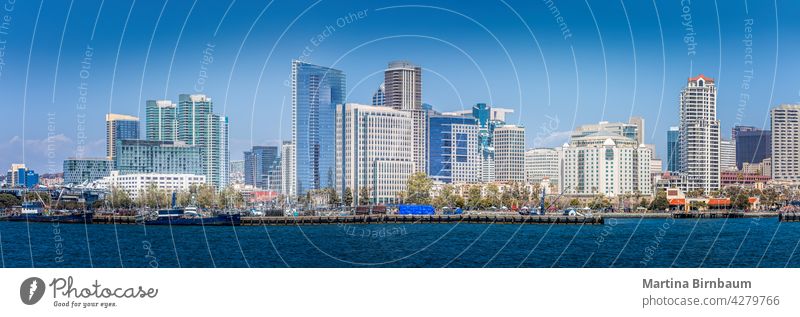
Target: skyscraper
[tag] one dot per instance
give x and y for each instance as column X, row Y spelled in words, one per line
column 509, row 145
column 379, row 97
column 316, row 91
column 753, row 145
column 162, row 120
column 488, row 118
column 261, row 164
column 287, row 168
column 119, row 127
column 699, row 135
column 198, row 126
column 403, row 91
column 403, row 86
column 785, row 121
column 673, row 149
column 372, row 151
column 727, row 155
column 454, row 156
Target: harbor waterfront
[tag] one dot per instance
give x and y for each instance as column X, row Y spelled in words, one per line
column 619, row 242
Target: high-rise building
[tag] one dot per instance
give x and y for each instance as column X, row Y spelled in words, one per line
column 162, row 120
column 403, row 86
column 287, row 167
column 509, row 145
column 79, row 170
column 379, row 97
column 262, row 167
column 753, row 145
column 673, row 149
column 488, row 118
column 453, row 149
column 639, row 123
column 372, row 151
column 20, row 176
column 606, row 163
column 198, row 126
column 218, row 152
column 403, row 91
column 727, row 155
column 541, row 163
column 164, row 157
column 699, row 135
column 785, row 120
column 119, row 127
column 316, row 91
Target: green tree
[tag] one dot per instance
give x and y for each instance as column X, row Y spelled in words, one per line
column 698, row 205
column 474, row 197
column 348, row 197
column 492, row 198
column 644, row 203
column 419, row 189
column 769, row 197
column 8, row 201
column 660, row 202
column 206, row 196
column 120, row 198
column 575, row 202
column 740, row 201
column 333, row 197
column 445, row 197
column 37, row 196
column 363, row 196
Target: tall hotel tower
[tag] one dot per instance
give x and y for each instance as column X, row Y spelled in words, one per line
column 785, row 147
column 403, row 91
column 198, row 126
column 162, row 120
column 119, row 127
column 699, row 135
column 316, row 91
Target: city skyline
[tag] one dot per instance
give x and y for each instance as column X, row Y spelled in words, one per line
column 175, row 69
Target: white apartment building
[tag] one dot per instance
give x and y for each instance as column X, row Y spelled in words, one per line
column 727, row 155
column 785, row 121
column 541, row 163
column 134, row 184
column 509, row 159
column 373, row 150
column 699, row 136
column 606, row 163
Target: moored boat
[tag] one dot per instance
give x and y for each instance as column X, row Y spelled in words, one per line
column 35, row 212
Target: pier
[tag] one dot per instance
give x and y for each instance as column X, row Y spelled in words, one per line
column 721, row 214
column 420, row 219
column 789, row 217
column 384, row 219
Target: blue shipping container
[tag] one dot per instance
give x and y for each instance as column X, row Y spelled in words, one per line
column 416, row 210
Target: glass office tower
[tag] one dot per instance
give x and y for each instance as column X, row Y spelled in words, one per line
column 316, row 90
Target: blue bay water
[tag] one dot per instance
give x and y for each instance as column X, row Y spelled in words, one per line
column 618, row 243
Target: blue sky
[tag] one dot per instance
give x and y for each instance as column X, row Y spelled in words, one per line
column 620, row 58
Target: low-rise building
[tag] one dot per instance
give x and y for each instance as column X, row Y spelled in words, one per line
column 81, row 170
column 134, row 184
